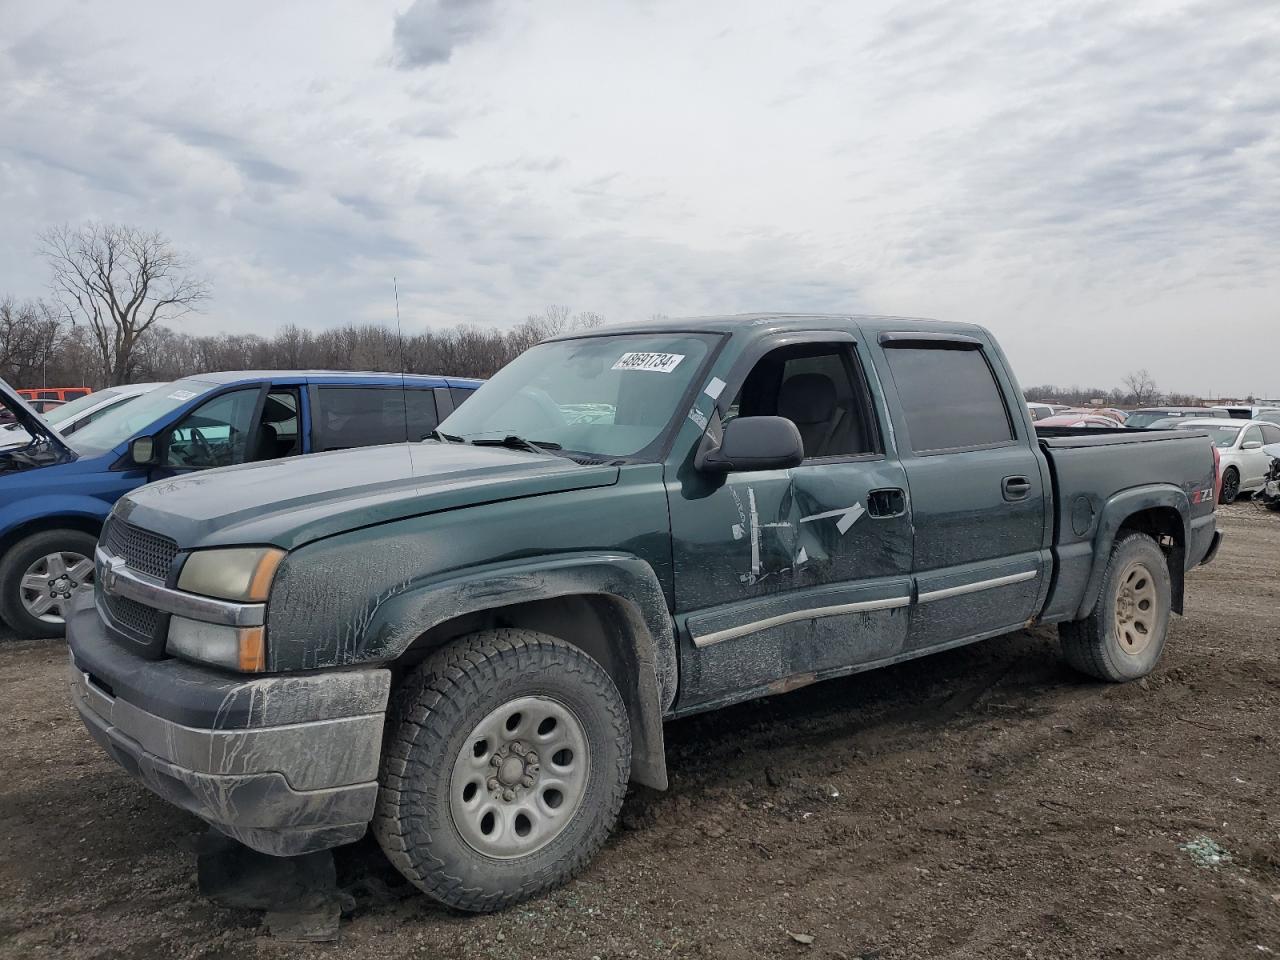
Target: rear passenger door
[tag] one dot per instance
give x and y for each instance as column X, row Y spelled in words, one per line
column 976, row 485
column 343, row 417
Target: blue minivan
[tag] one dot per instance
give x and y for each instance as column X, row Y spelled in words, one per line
column 56, row 491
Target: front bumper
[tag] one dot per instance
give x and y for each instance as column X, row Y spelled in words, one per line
column 284, row 764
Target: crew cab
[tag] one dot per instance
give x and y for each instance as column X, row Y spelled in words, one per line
column 471, row 643
column 57, row 486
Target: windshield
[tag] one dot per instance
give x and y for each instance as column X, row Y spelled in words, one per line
column 1145, row 418
column 68, row 411
column 596, row 396
column 128, row 419
column 1223, row 435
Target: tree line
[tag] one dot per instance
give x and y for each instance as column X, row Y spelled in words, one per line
column 1139, row 389
column 115, row 292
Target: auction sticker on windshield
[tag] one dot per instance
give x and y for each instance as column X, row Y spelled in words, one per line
column 180, row 395
column 650, row 362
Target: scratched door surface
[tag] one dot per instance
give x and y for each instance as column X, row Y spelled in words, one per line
column 782, row 576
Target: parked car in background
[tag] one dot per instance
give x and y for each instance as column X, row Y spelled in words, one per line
column 62, row 394
column 1079, row 420
column 1039, row 410
column 1244, row 463
column 44, row 407
column 1269, row 495
column 1262, row 411
column 56, row 491
column 1146, row 417
column 69, row 417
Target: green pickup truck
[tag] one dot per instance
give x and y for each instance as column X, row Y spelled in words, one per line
column 470, row 644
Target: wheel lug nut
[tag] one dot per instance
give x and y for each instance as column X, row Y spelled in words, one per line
column 494, row 783
column 508, row 794
column 527, row 780
column 495, row 761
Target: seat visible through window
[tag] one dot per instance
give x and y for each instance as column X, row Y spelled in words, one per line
column 819, row 388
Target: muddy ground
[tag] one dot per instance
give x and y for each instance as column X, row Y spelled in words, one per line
column 979, row 803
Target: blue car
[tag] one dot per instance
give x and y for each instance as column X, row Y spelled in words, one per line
column 56, row 491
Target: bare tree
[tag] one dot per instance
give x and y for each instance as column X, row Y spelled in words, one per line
column 1141, row 386
column 120, row 281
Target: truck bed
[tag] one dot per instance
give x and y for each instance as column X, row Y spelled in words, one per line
column 1093, row 471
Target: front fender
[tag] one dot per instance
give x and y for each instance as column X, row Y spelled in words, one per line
column 17, row 515
column 651, row 657
column 1115, row 512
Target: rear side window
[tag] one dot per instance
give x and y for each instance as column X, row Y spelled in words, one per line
column 364, row 416
column 949, row 396
column 420, row 405
column 459, row 394
column 1270, row 434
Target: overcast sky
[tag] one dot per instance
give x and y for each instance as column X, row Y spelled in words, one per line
column 1098, row 182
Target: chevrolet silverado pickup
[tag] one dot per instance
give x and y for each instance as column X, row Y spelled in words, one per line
column 469, row 644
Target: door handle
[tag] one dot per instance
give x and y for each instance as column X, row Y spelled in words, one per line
column 886, row 503
column 1016, row 488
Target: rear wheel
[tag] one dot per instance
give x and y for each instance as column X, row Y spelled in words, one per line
column 1123, row 637
column 507, row 759
column 1230, row 485
column 38, row 574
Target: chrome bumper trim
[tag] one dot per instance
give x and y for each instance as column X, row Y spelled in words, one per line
column 118, row 580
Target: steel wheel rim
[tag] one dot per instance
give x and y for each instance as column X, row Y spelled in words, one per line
column 47, row 584
column 519, row 777
column 1136, row 609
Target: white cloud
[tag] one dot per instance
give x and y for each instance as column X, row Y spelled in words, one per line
column 1099, row 184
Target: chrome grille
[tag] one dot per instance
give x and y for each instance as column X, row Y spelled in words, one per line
column 144, row 551
column 135, row 617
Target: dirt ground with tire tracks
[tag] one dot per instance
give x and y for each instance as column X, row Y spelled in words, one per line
column 980, row 803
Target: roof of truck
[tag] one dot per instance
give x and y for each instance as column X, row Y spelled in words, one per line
column 773, row 322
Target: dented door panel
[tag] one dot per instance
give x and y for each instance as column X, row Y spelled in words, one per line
column 766, row 563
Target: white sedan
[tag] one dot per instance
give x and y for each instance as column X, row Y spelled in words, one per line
column 1240, row 443
column 69, row 417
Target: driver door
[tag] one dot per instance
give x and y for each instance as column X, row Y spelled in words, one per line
column 218, row 433
column 783, row 577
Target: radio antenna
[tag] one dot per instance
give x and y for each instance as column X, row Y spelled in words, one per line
column 404, row 389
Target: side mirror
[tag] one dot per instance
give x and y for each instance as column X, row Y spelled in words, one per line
column 142, row 450
column 1251, row 445
column 754, row 443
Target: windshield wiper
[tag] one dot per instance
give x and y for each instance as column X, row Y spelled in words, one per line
column 512, row 442
column 444, row 437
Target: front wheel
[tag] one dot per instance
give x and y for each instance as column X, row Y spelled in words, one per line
column 1122, row 639
column 38, row 574
column 507, row 758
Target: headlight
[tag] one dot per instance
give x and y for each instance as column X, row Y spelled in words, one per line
column 231, row 573
column 237, row 648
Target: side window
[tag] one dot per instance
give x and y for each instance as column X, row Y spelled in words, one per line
column 420, row 412
column 215, row 434
column 1251, row 435
column 459, row 395
column 358, row 417
column 1270, row 435
column 818, row 387
column 278, row 427
column 950, row 398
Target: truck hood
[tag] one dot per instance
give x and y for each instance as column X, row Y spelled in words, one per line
column 40, row 448
column 299, row 499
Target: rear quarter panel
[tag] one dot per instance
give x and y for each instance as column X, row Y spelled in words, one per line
column 1101, row 478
